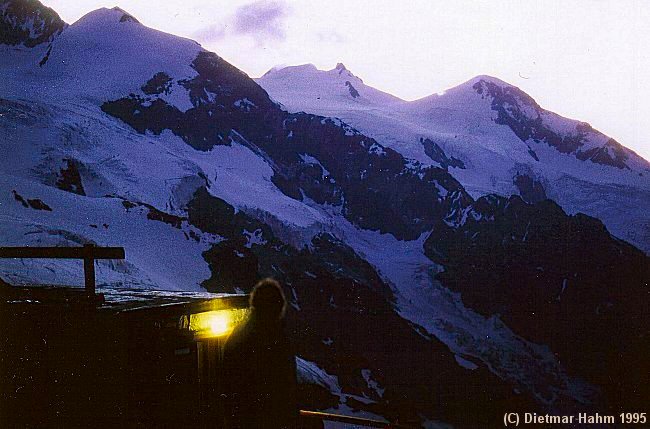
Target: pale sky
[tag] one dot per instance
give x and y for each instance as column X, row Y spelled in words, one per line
column 587, row 60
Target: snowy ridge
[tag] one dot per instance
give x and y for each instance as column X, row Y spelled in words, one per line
column 486, row 124
column 336, row 88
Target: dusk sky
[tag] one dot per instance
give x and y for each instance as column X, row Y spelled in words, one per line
column 587, row 60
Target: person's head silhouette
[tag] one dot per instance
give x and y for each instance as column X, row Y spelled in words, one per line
column 267, row 300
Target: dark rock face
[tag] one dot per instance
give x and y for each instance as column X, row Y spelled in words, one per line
column 531, row 190
column 435, row 152
column 155, row 214
column 34, row 203
column 312, row 156
column 20, row 199
column 28, row 22
column 158, row 84
column 38, row 204
column 156, row 117
column 70, row 178
column 213, row 92
column 557, row 280
column 353, row 91
column 43, row 60
column 232, row 263
column 341, row 317
column 602, row 155
column 533, row 154
column 126, row 17
column 377, row 188
column 513, row 107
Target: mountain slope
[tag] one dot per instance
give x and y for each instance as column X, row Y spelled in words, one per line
column 548, row 274
column 494, row 138
column 209, row 184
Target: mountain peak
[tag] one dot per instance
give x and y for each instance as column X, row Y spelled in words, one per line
column 104, row 16
column 343, row 71
column 111, row 43
column 298, row 87
column 464, row 94
column 487, row 78
column 126, row 17
column 299, row 69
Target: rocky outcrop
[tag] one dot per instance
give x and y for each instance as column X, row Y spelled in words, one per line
column 69, row 178
column 530, row 190
column 28, row 23
column 353, row 91
column 435, row 152
column 524, row 116
column 34, row 203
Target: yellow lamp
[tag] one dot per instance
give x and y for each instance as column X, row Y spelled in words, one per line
column 217, row 323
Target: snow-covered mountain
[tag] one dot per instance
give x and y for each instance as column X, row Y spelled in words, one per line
column 119, row 134
column 493, row 138
column 335, row 89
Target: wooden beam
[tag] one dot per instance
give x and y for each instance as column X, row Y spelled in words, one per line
column 84, row 252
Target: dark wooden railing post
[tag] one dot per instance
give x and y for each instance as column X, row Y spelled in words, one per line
column 89, row 268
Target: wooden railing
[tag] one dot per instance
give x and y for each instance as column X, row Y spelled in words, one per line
column 89, row 253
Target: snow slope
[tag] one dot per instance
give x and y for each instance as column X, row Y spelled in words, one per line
column 485, row 125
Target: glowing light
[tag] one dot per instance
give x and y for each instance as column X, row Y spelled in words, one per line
column 216, row 323
column 219, row 324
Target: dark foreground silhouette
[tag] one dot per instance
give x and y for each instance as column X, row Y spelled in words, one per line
column 260, row 367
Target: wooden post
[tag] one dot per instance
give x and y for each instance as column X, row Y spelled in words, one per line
column 89, row 269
